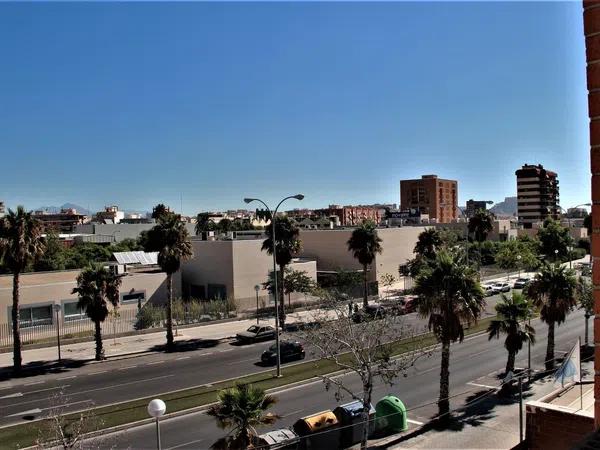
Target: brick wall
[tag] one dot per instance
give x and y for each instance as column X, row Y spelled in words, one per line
column 591, row 20
column 551, row 429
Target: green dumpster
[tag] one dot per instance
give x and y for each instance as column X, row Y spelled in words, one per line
column 390, row 415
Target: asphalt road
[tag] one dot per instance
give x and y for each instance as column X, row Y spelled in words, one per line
column 475, row 365
column 109, row 382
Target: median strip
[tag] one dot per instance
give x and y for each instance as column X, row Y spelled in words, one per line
column 24, row 435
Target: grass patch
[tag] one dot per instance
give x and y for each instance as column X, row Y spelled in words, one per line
column 25, row 435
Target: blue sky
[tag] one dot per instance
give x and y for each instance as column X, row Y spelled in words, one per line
column 136, row 104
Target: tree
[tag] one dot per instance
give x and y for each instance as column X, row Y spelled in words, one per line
column 21, row 244
column 554, row 241
column 288, row 244
column 365, row 244
column 428, row 243
column 170, row 238
column 553, row 292
column 294, row 281
column 511, row 311
column 367, row 349
column 204, row 223
column 225, row 225
column 514, row 254
column 96, row 288
column 449, row 294
column 55, row 255
column 160, row 211
column 585, row 298
column 481, row 224
column 241, row 409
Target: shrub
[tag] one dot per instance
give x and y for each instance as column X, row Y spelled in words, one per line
column 149, row 316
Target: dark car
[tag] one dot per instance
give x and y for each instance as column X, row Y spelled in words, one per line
column 256, row 333
column 289, row 350
column 521, row 283
column 404, row 304
column 371, row 312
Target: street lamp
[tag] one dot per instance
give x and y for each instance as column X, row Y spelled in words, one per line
column 273, row 214
column 156, row 408
column 570, row 249
column 519, row 264
column 57, row 310
column 257, row 288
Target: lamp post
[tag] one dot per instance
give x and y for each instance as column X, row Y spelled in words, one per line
column 570, row 249
column 273, row 214
column 257, row 288
column 156, row 408
column 519, row 264
column 57, row 310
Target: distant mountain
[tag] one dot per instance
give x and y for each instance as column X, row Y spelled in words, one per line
column 56, row 209
column 506, row 208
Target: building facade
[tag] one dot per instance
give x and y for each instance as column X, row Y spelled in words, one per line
column 537, row 194
column 431, row 195
column 473, row 206
column 64, row 221
column 351, row 216
column 2, row 210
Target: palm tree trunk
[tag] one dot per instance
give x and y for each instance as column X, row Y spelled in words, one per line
column 586, row 337
column 365, row 287
column 98, row 339
column 16, row 325
column 367, row 393
column 282, row 297
column 170, row 340
column 510, row 363
column 444, row 400
column 550, row 348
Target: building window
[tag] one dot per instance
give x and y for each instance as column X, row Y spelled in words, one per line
column 35, row 315
column 134, row 297
column 72, row 312
column 217, row 291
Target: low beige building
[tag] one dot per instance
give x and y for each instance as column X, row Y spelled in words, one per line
column 330, row 250
column 40, row 291
column 231, row 269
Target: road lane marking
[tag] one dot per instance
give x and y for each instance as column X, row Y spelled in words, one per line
column 25, row 413
column 15, row 395
column 96, row 373
column 126, row 368
column 119, row 385
column 48, row 389
column 34, row 383
column 487, row 386
column 67, row 378
column 183, row 445
column 414, row 422
column 225, row 351
column 292, row 413
column 240, row 362
column 155, row 362
column 183, row 357
column 207, row 354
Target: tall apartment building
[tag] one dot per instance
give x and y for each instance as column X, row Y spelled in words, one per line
column 64, row 221
column 537, row 194
column 2, row 210
column 431, row 195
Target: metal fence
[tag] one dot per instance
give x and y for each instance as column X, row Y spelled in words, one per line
column 78, row 327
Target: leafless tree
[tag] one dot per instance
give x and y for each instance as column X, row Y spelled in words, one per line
column 374, row 348
column 68, row 430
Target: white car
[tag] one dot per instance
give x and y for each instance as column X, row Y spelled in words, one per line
column 490, row 289
column 502, row 286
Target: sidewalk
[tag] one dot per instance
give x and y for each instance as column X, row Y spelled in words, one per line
column 139, row 344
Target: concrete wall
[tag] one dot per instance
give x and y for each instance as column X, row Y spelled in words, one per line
column 329, row 248
column 212, row 263
column 122, row 231
column 45, row 288
column 550, row 428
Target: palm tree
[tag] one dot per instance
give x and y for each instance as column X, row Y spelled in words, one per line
column 553, row 292
column 160, row 210
column 585, row 298
column 449, row 294
column 21, row 244
column 170, row 238
column 288, row 244
column 481, row 224
column 96, row 288
column 241, row 408
column 364, row 243
column 511, row 311
column 429, row 242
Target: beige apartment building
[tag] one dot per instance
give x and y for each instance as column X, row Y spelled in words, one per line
column 40, row 291
column 231, row 269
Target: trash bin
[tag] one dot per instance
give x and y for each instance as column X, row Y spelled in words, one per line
column 351, row 422
column 279, row 439
column 311, row 431
column 390, row 415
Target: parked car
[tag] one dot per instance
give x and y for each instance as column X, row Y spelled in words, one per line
column 289, row 350
column 521, row 283
column 502, row 286
column 490, row 289
column 410, row 304
column 256, row 333
column 373, row 311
